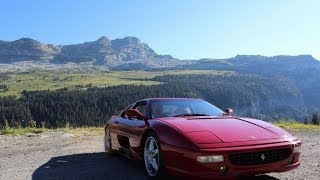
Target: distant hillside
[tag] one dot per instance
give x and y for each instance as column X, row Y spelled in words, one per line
column 111, row 53
column 259, row 64
column 302, row 71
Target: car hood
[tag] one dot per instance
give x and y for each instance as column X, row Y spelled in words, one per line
column 213, row 129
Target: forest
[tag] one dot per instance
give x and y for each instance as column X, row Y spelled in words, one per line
column 249, row 95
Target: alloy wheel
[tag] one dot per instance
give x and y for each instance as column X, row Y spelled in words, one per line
column 151, row 156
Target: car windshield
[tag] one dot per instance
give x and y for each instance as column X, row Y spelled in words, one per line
column 187, row 107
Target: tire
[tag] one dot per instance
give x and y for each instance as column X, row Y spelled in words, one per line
column 153, row 157
column 107, row 142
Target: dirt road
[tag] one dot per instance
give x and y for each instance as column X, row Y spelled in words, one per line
column 58, row 155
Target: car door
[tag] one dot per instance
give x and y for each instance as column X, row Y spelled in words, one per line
column 131, row 129
column 115, row 128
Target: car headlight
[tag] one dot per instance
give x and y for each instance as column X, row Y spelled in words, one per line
column 210, row 159
column 297, row 148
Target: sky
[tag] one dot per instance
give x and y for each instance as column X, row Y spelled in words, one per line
column 185, row 29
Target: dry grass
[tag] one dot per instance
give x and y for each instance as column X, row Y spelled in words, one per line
column 293, row 125
column 77, row 131
column 83, row 131
column 22, row 131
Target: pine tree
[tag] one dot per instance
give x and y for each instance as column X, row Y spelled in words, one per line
column 315, row 119
column 6, row 124
column 305, row 121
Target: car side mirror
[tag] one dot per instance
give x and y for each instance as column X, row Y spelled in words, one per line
column 229, row 111
column 133, row 113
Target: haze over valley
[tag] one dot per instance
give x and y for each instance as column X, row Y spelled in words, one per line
column 270, row 88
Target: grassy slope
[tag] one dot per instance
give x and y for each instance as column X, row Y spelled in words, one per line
column 40, row 80
column 291, row 126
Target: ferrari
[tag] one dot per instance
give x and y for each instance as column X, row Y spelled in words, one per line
column 191, row 137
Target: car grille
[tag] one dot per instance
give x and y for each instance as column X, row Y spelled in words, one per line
column 259, row 157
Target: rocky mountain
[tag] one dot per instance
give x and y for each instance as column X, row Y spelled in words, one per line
column 130, row 53
column 26, row 49
column 111, row 53
column 118, row 52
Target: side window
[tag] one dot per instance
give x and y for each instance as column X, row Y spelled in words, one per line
column 123, row 112
column 141, row 107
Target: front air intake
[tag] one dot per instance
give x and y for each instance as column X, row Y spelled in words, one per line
column 259, row 157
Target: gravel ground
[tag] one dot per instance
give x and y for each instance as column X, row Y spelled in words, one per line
column 58, row 155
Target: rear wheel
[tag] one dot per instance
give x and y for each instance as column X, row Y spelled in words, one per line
column 107, row 142
column 153, row 156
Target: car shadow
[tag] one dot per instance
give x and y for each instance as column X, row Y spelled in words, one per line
column 90, row 166
column 258, row 177
column 98, row 166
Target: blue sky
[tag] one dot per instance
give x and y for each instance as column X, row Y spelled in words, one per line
column 185, row 29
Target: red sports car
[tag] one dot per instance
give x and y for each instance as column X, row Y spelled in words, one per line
column 192, row 137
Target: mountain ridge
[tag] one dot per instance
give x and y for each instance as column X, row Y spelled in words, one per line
column 102, row 51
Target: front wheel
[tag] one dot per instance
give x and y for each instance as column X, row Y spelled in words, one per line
column 153, row 156
column 107, row 142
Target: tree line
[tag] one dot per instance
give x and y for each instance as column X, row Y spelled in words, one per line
column 248, row 95
column 4, row 88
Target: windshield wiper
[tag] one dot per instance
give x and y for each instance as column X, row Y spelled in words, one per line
column 191, row 114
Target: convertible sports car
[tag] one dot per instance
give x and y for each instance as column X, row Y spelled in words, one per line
column 192, row 137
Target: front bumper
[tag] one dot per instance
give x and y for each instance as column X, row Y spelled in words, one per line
column 185, row 164
column 233, row 173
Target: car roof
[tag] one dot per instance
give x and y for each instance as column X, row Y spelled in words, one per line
column 159, row 99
